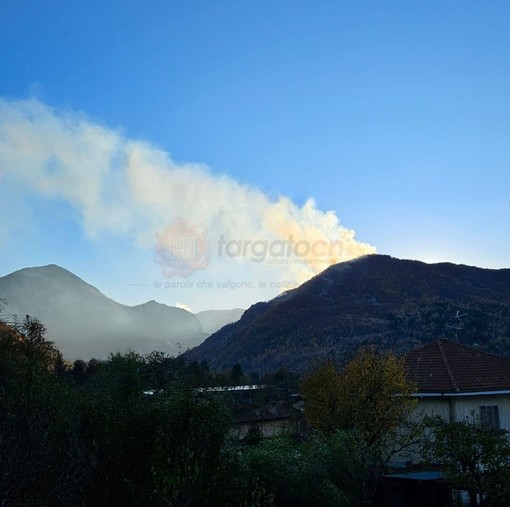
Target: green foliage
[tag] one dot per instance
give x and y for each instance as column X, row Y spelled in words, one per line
column 282, row 378
column 254, row 434
column 322, row 392
column 371, row 399
column 323, row 471
column 152, row 447
column 473, row 458
column 120, row 428
column 187, row 458
column 376, row 399
column 43, row 457
column 36, row 342
column 134, row 430
column 236, row 374
column 94, row 436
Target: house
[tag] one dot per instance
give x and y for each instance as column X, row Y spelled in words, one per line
column 257, row 409
column 269, row 419
column 455, row 381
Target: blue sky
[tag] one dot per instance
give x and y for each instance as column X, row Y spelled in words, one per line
column 394, row 115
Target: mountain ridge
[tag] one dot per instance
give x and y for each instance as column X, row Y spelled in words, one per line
column 375, row 299
column 85, row 323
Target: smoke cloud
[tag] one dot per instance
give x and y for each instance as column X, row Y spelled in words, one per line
column 132, row 188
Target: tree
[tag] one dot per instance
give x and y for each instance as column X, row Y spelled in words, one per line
column 78, row 371
column 36, row 342
column 372, row 399
column 187, row 459
column 43, row 457
column 375, row 399
column 236, row 373
column 473, row 457
column 322, row 392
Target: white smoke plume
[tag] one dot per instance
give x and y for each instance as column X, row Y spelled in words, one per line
column 132, row 188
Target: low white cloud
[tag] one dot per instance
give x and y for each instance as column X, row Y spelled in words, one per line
column 183, row 306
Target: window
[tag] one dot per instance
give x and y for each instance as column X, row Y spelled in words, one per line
column 489, row 416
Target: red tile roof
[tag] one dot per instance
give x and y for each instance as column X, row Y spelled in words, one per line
column 447, row 367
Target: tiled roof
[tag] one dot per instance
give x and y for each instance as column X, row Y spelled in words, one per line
column 447, row 367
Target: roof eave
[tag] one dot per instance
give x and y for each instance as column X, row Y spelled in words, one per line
column 457, row 394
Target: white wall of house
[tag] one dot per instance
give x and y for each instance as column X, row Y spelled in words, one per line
column 465, row 405
column 433, row 407
column 457, row 408
column 454, row 408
